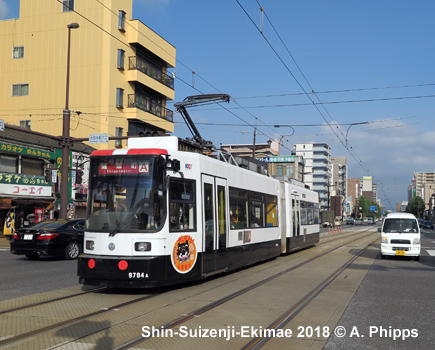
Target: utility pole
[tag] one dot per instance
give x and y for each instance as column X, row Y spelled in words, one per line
column 66, row 139
column 253, row 146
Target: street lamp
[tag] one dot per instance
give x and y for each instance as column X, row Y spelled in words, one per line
column 350, row 127
column 66, row 140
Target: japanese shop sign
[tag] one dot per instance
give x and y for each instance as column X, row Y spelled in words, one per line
column 25, row 150
column 22, row 190
column 24, row 185
column 22, row 179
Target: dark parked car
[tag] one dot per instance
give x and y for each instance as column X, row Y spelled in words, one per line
column 428, row 224
column 350, row 221
column 62, row 238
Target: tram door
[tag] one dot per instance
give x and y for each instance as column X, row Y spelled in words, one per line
column 215, row 223
column 296, row 205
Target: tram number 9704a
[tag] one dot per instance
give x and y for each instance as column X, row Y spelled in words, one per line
column 137, row 275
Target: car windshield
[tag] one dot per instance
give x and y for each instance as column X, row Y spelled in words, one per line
column 126, row 194
column 400, row 225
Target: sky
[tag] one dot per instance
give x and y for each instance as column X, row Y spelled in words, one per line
column 357, row 75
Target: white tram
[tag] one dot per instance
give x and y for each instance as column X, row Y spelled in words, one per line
column 159, row 216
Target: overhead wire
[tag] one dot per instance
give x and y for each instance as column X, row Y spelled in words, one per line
column 192, row 71
column 339, row 91
column 348, row 147
column 289, row 70
column 177, row 60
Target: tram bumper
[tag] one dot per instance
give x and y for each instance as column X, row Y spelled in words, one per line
column 121, row 272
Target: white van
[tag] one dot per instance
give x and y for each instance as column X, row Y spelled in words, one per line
column 400, row 235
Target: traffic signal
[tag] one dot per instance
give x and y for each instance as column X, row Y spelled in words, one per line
column 47, row 174
column 79, row 176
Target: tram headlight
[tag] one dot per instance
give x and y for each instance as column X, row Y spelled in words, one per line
column 90, row 245
column 142, row 246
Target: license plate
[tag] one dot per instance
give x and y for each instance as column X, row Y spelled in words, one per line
column 400, row 252
column 28, row 236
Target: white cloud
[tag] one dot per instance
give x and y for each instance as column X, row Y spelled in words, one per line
column 4, row 10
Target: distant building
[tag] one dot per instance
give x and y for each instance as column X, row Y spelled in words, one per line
column 270, row 148
column 401, row 207
column 368, row 188
column 317, row 175
column 423, row 185
column 354, row 190
column 339, row 183
column 288, row 166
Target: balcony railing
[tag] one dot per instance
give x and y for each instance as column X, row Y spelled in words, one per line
column 151, row 70
column 146, row 104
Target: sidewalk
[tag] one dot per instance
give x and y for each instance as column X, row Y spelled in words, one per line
column 4, row 242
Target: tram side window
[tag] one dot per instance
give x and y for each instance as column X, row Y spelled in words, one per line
column 272, row 211
column 238, row 208
column 309, row 213
column 221, row 211
column 257, row 203
column 304, row 216
column 316, row 213
column 182, row 206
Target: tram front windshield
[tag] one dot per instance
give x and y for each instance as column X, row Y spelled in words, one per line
column 126, row 194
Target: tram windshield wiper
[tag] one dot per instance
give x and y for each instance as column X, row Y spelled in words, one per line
column 121, row 225
column 117, row 228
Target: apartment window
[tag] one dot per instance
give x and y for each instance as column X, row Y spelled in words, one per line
column 121, row 20
column 18, row 52
column 119, row 98
column 121, row 54
column 20, row 89
column 118, row 132
column 26, row 124
column 67, row 5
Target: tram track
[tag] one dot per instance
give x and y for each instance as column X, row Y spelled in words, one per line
column 39, row 303
column 284, row 319
column 168, row 325
column 288, row 315
column 71, row 321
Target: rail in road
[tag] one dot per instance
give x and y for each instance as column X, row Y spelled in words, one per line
column 268, row 296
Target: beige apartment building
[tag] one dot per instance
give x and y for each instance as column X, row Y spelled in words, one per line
column 119, row 82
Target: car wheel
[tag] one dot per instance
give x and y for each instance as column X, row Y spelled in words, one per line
column 382, row 256
column 73, row 250
column 33, row 256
